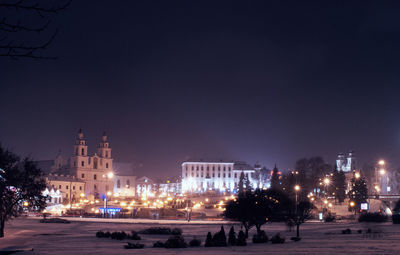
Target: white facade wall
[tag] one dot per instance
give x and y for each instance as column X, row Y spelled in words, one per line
column 199, row 177
column 124, row 186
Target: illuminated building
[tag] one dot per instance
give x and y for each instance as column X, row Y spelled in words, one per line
column 199, row 177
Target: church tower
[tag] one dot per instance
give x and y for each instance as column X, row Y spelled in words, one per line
column 79, row 157
column 104, row 152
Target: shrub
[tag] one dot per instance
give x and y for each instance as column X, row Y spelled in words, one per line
column 176, row 231
column 241, row 240
column 260, row 237
column 134, row 235
column 219, row 238
column 194, row 242
column 346, row 231
column 55, row 220
column 158, row 244
column 372, row 217
column 134, row 246
column 232, row 237
column 118, row 235
column 107, row 234
column 176, row 241
column 100, row 234
column 156, row 231
column 277, row 238
column 359, row 231
column 396, row 218
column 330, row 218
column 209, row 240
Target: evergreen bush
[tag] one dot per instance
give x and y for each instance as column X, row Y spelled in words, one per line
column 232, row 237
column 158, row 244
column 194, row 242
column 219, row 238
column 277, row 238
column 176, row 241
column 209, row 240
column 372, row 217
column 134, row 246
column 241, row 240
column 176, row 231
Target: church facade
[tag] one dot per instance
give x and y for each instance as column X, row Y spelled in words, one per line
column 95, row 171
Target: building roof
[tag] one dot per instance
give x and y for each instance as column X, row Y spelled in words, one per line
column 66, row 178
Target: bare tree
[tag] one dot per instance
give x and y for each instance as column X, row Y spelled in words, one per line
column 25, row 27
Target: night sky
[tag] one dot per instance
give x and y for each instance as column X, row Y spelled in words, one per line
column 266, row 81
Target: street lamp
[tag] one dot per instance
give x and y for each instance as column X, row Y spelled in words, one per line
column 381, row 162
column 357, row 175
column 296, row 189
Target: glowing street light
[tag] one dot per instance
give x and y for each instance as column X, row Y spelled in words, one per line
column 297, row 188
column 381, row 162
column 352, row 204
column 357, row 175
column 382, row 171
column 326, row 181
column 110, row 175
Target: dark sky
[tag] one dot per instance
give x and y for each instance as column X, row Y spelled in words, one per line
column 266, row 81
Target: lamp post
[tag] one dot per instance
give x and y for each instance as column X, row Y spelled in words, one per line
column 296, row 189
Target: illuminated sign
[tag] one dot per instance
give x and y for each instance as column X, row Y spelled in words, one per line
column 364, row 206
column 110, row 210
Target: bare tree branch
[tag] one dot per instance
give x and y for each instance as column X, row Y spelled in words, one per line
column 20, row 5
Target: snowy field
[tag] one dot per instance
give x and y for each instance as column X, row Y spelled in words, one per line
column 79, row 238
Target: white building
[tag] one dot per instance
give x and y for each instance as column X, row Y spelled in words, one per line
column 124, row 180
column 199, row 177
column 346, row 164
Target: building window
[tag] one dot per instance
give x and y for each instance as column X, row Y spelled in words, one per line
column 73, row 187
column 59, row 186
column 229, row 175
column 80, row 187
column 106, row 154
column 197, row 175
column 66, row 187
column 197, row 168
column 74, row 163
column 219, row 168
column 201, row 168
column 235, row 175
column 95, row 177
column 192, row 168
column 224, row 175
column 83, row 152
column 208, row 168
column 192, row 175
column 106, row 165
column 128, row 184
column 201, row 175
column 83, row 175
column 213, row 168
column 95, row 187
column 224, row 169
column 229, row 168
column 213, row 175
column 118, row 184
column 219, row 175
column 83, row 163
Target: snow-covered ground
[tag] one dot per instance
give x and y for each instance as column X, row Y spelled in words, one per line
column 79, row 238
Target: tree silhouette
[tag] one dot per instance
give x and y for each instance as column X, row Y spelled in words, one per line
column 21, row 186
column 25, row 28
column 258, row 207
column 339, row 184
column 358, row 193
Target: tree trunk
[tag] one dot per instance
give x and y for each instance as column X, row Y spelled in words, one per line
column 298, row 230
column 258, row 227
column 2, row 228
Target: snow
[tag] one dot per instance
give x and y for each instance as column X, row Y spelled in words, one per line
column 79, row 237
